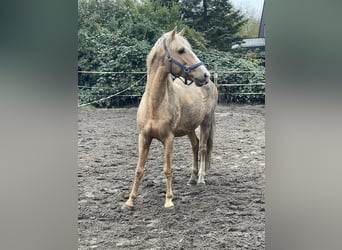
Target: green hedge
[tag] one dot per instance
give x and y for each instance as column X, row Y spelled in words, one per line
column 117, row 36
column 236, row 70
column 109, row 84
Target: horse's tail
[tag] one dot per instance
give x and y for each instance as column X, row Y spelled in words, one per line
column 210, row 144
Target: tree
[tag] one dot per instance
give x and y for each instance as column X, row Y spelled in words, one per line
column 167, row 3
column 216, row 19
column 116, row 36
column 250, row 29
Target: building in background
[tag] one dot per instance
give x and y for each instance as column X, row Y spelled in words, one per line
column 262, row 23
column 257, row 43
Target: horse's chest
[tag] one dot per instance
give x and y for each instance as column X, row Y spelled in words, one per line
column 156, row 128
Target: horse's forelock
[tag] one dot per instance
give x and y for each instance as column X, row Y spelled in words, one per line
column 177, row 42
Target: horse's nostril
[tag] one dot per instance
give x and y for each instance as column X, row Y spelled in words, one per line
column 206, row 77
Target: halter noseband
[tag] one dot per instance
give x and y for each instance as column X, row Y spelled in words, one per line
column 182, row 66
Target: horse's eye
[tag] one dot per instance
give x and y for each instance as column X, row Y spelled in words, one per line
column 181, row 51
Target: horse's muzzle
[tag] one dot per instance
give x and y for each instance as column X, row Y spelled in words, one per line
column 202, row 81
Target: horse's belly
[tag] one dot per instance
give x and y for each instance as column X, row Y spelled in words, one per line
column 186, row 128
column 182, row 133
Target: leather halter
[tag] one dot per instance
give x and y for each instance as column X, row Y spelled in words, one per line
column 182, row 66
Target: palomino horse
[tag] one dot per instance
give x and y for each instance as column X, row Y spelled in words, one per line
column 170, row 109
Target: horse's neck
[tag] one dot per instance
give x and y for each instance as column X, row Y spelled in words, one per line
column 157, row 87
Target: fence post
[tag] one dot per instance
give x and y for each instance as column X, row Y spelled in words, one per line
column 215, row 74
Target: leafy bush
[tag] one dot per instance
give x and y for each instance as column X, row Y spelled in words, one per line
column 235, row 70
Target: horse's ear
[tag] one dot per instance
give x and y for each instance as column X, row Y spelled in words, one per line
column 181, row 33
column 173, row 34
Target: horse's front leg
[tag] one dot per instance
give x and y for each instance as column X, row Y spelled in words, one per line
column 194, row 144
column 144, row 146
column 168, row 149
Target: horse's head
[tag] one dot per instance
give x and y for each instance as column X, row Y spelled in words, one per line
column 180, row 60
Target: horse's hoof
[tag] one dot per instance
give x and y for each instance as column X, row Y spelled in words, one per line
column 129, row 203
column 201, row 183
column 127, row 208
column 124, row 207
column 169, row 204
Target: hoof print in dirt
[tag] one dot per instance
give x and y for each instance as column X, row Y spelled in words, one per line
column 192, row 182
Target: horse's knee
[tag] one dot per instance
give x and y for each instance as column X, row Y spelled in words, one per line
column 139, row 173
column 168, row 173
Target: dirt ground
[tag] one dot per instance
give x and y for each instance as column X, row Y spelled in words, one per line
column 227, row 213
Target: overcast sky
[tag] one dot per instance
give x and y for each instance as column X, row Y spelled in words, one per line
column 251, row 7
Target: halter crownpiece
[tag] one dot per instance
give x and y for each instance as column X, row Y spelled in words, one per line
column 182, row 66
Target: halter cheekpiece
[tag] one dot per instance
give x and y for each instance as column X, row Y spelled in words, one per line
column 182, row 66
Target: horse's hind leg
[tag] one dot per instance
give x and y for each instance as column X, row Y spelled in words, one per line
column 210, row 143
column 204, row 135
column 194, row 144
column 144, row 146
